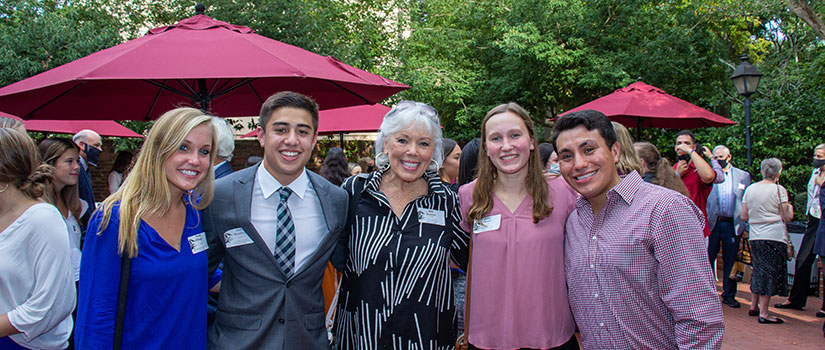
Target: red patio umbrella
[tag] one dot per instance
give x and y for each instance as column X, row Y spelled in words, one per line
column 640, row 105
column 365, row 118
column 102, row 127
column 224, row 68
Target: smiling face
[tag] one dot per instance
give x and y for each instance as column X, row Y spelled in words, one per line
column 507, row 143
column 288, row 139
column 449, row 168
column 187, row 166
column 66, row 169
column 586, row 163
column 410, row 152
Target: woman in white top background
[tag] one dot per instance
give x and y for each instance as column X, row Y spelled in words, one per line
column 765, row 206
column 63, row 155
column 37, row 292
column 122, row 164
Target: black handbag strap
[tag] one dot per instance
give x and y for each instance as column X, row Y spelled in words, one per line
column 125, row 267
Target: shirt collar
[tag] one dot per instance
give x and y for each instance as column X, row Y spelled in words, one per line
column 269, row 185
column 625, row 189
column 222, row 163
column 435, row 185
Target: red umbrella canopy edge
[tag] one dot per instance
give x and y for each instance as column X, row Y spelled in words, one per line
column 201, row 62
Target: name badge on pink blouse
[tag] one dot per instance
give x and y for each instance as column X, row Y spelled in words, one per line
column 488, row 223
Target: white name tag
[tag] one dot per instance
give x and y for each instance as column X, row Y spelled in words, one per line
column 198, row 243
column 741, row 186
column 488, row 223
column 431, row 216
column 236, row 237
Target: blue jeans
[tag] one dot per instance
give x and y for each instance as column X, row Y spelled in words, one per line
column 723, row 233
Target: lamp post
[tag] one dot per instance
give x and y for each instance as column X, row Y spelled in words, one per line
column 746, row 78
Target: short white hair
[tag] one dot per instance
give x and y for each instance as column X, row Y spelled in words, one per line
column 770, row 168
column 820, row 146
column 83, row 135
column 225, row 138
column 721, row 147
column 411, row 114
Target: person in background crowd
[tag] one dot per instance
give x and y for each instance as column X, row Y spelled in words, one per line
column 226, row 145
column 123, row 161
column 275, row 225
column 819, row 244
column 696, row 173
column 367, row 164
column 516, row 215
column 253, row 160
column 636, row 266
column 805, row 256
column 467, row 169
column 766, row 208
column 468, row 163
column 657, row 169
column 396, row 291
column 354, row 168
column 334, row 168
column 549, row 158
column 91, row 145
column 726, row 225
column 62, row 192
column 38, row 292
column 12, row 123
column 153, row 222
column 449, row 167
column 628, row 160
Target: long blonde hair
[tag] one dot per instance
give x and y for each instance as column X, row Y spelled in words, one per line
column 535, row 182
column 628, row 160
column 146, row 190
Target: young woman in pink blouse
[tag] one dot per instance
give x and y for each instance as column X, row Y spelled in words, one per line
column 517, row 291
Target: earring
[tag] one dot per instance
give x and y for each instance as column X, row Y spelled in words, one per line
column 382, row 161
column 4, row 188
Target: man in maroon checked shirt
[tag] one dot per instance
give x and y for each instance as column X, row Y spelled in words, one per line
column 635, row 261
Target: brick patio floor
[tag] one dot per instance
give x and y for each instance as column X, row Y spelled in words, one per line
column 801, row 330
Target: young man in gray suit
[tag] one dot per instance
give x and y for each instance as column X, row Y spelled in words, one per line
column 274, row 225
column 726, row 227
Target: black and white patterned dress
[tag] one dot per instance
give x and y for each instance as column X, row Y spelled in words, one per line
column 396, row 291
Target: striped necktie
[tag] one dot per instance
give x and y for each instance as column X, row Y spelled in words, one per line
column 285, row 236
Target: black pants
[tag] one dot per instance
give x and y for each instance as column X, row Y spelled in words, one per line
column 804, row 263
column 571, row 344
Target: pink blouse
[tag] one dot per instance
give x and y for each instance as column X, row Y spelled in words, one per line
column 518, row 292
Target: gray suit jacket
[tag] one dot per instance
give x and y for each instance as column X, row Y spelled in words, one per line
column 259, row 308
column 741, row 180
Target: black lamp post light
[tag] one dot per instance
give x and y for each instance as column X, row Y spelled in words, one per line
column 746, row 78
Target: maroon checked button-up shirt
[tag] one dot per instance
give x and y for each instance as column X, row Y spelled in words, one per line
column 638, row 273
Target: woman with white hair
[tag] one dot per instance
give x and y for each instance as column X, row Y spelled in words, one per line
column 403, row 228
column 765, row 206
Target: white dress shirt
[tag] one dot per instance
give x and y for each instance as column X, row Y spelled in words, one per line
column 813, row 196
column 304, row 205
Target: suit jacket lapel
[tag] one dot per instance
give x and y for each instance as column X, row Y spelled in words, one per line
column 243, row 203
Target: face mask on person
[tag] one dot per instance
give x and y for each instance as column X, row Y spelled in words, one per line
column 818, row 163
column 554, row 169
column 723, row 163
column 92, row 155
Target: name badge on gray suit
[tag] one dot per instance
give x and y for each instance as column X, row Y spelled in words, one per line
column 236, row 237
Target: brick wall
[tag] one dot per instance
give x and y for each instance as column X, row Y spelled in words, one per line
column 243, row 150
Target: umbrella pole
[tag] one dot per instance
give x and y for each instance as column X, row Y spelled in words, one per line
column 638, row 129
column 341, row 135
